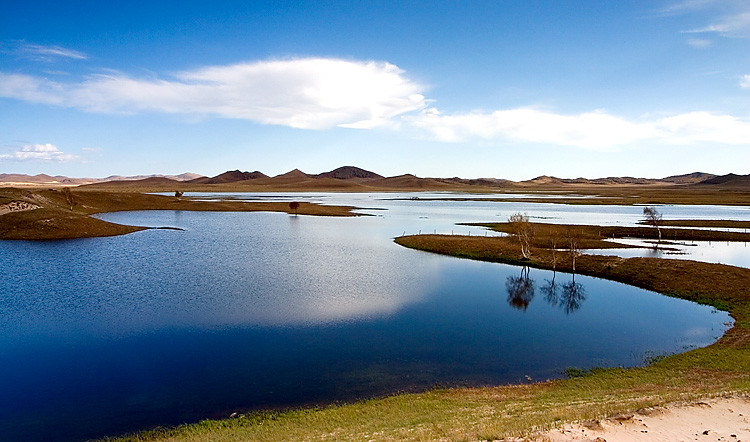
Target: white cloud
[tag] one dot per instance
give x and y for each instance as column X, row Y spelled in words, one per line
column 687, row 6
column 311, row 93
column 317, row 93
column 41, row 51
column 697, row 127
column 735, row 25
column 728, row 18
column 39, row 152
column 699, row 43
column 591, row 130
column 594, row 130
column 33, row 89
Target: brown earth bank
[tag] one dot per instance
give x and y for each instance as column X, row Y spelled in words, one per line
column 593, row 237
column 65, row 213
column 721, row 224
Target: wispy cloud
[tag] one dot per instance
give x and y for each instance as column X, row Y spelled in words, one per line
column 735, row 26
column 310, row 93
column 699, row 43
column 52, row 51
column 745, row 81
column 592, row 130
column 728, row 18
column 687, row 6
column 39, row 152
column 37, row 52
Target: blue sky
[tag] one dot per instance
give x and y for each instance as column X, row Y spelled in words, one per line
column 504, row 88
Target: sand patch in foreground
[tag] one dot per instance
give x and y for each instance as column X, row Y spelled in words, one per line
column 711, row 420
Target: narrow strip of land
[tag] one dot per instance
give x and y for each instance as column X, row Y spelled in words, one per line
column 546, row 236
column 65, row 214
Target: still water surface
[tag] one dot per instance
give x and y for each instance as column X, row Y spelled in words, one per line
column 256, row 310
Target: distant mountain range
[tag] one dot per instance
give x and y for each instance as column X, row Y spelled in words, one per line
column 349, row 177
column 59, row 179
column 690, row 178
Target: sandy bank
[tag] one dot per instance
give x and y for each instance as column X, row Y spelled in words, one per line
column 712, row 420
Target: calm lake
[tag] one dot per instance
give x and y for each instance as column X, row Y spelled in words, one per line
column 244, row 311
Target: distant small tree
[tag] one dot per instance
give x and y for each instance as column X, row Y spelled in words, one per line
column 553, row 242
column 69, row 197
column 294, row 205
column 574, row 246
column 652, row 217
column 521, row 227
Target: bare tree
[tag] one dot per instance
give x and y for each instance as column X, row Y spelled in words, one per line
column 554, row 256
column 69, row 197
column 294, row 205
column 521, row 227
column 652, row 217
column 574, row 246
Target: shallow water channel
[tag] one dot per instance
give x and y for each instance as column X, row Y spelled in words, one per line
column 245, row 311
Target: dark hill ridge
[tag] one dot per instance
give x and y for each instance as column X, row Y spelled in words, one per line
column 729, row 180
column 689, row 178
column 293, row 174
column 231, row 176
column 349, row 172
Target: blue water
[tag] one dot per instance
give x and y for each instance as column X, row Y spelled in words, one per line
column 244, row 311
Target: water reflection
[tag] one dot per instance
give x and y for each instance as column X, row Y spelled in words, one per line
column 573, row 295
column 520, row 289
column 245, row 311
column 551, row 291
column 568, row 296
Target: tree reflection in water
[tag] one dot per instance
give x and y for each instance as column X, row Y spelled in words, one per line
column 520, row 290
column 550, row 290
column 569, row 296
column 572, row 297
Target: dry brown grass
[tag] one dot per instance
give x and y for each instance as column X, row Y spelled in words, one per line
column 617, row 194
column 592, row 237
column 56, row 220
